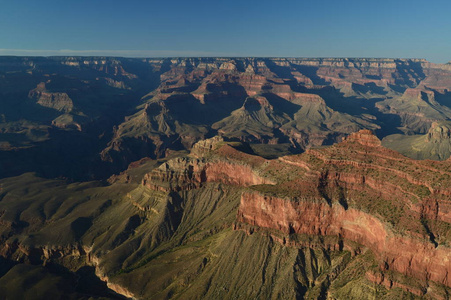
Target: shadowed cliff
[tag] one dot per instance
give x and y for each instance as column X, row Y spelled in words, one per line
column 86, row 118
column 351, row 221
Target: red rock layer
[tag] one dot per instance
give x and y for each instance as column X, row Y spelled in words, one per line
column 362, row 192
column 410, row 256
column 183, row 174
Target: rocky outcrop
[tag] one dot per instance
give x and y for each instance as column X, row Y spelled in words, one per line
column 373, row 197
column 410, row 256
column 58, row 101
column 72, row 256
column 435, row 144
column 296, row 98
column 186, row 174
column 438, row 133
column 67, row 121
column 364, row 137
column 316, row 214
column 352, row 214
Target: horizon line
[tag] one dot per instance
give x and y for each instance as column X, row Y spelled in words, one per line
column 159, row 54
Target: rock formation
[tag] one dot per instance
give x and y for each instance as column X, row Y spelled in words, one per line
column 227, row 178
column 57, row 101
column 135, row 108
column 435, row 144
column 338, row 218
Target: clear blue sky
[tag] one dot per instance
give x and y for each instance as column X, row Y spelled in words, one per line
column 314, row 28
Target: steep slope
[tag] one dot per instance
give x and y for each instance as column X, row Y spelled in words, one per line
column 417, row 109
column 306, row 102
column 436, row 144
column 95, row 115
column 255, row 121
column 351, row 221
column 223, row 223
column 244, row 99
column 61, row 111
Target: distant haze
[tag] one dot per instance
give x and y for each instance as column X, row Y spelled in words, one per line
column 323, row 28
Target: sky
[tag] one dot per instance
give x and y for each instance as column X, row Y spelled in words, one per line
column 168, row 28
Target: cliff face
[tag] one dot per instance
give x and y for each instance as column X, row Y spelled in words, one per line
column 297, row 101
column 58, row 101
column 371, row 196
column 135, row 108
column 185, row 174
column 410, row 256
column 435, row 144
column 351, row 221
column 333, row 220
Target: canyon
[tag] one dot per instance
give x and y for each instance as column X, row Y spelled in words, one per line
column 96, row 115
column 336, row 224
column 224, row 178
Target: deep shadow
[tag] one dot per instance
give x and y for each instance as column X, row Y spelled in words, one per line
column 280, row 71
column 443, row 99
column 310, row 72
column 174, row 211
column 411, row 73
column 83, row 281
column 281, row 105
column 348, row 105
column 89, row 283
column 369, row 87
column 323, row 187
column 431, row 235
column 132, row 223
column 355, row 106
column 299, row 271
column 6, row 265
column 80, row 226
column 397, row 88
column 252, row 105
column 240, row 64
column 373, row 77
column 189, row 110
column 269, row 151
column 389, row 124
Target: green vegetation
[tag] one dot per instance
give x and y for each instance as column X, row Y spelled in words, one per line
column 435, row 144
column 83, row 119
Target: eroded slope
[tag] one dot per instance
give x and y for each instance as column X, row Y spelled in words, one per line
column 350, row 221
